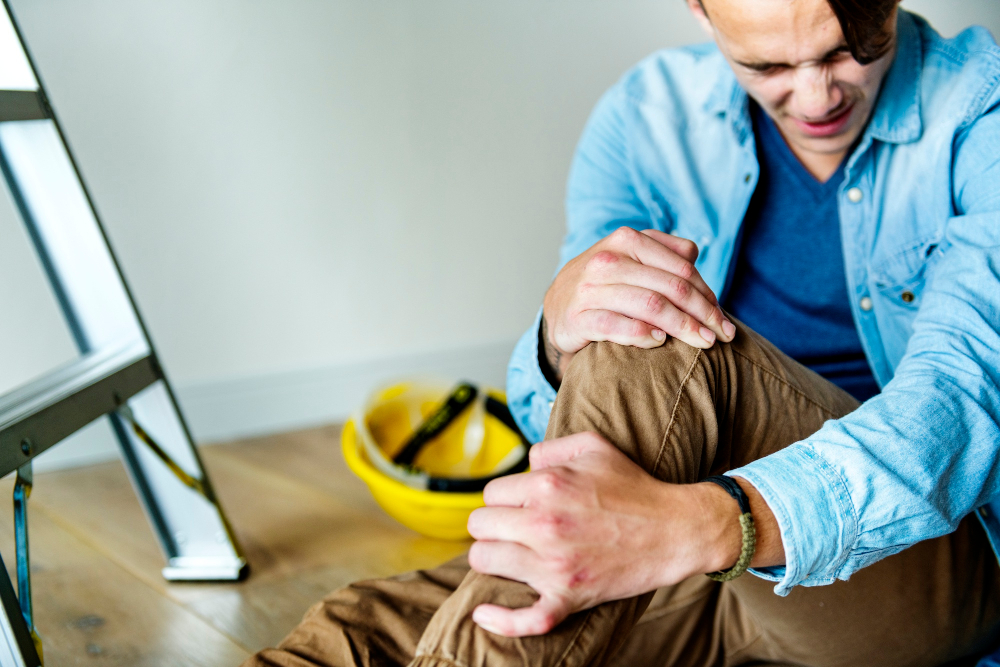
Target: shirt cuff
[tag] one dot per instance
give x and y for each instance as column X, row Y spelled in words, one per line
column 815, row 514
column 529, row 394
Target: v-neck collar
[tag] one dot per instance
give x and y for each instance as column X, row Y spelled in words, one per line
column 772, row 145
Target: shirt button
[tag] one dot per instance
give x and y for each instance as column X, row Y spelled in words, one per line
column 551, row 403
column 746, row 179
column 865, row 303
column 855, row 195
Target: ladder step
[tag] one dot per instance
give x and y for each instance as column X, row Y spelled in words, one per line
column 23, row 105
column 43, row 412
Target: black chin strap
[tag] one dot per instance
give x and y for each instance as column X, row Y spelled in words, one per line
column 460, row 398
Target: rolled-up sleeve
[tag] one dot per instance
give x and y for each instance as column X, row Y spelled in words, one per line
column 529, row 394
column 910, row 463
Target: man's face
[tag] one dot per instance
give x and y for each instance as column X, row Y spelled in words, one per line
column 791, row 57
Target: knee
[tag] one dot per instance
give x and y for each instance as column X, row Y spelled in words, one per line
column 618, row 390
column 602, row 365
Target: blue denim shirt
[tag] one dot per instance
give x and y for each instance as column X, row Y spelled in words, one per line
column 671, row 147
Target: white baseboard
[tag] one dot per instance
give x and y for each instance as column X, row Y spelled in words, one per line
column 241, row 408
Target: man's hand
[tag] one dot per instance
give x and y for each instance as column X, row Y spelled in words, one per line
column 632, row 288
column 588, row 525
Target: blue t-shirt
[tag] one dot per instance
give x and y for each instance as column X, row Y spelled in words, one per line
column 787, row 281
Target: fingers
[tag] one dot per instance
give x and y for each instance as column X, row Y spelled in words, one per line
column 509, row 491
column 663, row 264
column 549, row 474
column 538, row 619
column 519, row 490
column 607, row 325
column 654, row 298
column 504, row 559
column 551, row 453
column 680, row 290
column 683, row 247
column 500, row 524
column 651, row 252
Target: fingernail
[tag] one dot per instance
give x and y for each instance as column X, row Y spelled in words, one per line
column 728, row 328
column 659, row 335
column 708, row 335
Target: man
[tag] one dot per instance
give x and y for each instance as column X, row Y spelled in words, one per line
column 829, row 168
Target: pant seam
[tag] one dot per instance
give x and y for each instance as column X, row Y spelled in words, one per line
column 786, row 383
column 673, row 411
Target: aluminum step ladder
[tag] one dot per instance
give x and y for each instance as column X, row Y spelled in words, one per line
column 117, row 374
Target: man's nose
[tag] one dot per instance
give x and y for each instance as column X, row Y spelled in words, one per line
column 816, row 94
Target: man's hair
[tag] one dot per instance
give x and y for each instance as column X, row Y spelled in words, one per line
column 864, row 26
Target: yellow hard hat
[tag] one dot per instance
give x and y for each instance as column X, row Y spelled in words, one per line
column 426, row 451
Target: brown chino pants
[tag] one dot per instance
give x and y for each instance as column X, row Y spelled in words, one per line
column 682, row 414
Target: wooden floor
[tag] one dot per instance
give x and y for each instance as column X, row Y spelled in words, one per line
column 306, row 523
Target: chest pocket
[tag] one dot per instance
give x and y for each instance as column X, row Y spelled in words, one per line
column 899, row 282
column 900, row 279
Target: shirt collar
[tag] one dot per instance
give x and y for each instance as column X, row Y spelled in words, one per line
column 728, row 99
column 896, row 118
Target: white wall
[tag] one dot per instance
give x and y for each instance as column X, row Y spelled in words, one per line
column 310, row 195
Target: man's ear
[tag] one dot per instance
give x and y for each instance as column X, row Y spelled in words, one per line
column 698, row 9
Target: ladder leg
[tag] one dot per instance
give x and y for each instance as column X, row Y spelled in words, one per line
column 168, row 473
column 21, row 620
column 17, row 649
column 22, row 489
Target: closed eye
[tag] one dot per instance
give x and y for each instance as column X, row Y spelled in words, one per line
column 832, row 56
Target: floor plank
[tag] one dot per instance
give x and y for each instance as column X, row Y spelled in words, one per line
column 306, row 524
column 89, row 611
column 312, row 456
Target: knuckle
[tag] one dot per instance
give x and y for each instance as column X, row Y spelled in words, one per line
column 685, row 270
column 624, row 235
column 680, row 288
column 604, row 323
column 654, row 304
column 549, row 483
column 635, row 329
column 602, row 261
column 564, row 566
column 689, row 248
column 549, row 526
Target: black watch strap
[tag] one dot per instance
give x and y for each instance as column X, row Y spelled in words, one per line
column 733, row 489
